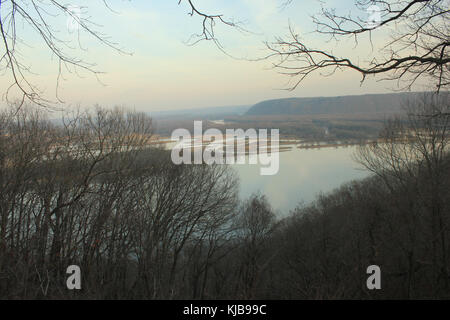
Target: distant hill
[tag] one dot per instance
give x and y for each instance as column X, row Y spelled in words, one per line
column 211, row 113
column 368, row 103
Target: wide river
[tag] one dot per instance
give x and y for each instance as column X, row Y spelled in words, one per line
column 303, row 174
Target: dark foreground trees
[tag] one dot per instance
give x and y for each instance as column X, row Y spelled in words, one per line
column 414, row 162
column 91, row 192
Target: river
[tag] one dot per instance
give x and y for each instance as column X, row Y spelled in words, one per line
column 303, row 174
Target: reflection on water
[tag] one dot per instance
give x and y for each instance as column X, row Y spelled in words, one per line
column 302, row 175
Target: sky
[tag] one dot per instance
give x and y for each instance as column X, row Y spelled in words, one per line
column 160, row 71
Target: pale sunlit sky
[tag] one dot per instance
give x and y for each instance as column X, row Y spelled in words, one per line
column 165, row 73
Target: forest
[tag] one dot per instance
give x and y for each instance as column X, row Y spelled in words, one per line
column 90, row 191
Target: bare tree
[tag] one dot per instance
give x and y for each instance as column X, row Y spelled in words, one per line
column 411, row 158
column 41, row 18
column 255, row 225
column 418, row 48
column 47, row 172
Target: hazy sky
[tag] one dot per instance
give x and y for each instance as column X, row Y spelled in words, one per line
column 165, row 73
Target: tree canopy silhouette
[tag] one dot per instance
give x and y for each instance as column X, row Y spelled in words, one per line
column 417, row 48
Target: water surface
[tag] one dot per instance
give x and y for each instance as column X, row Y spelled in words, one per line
column 303, row 173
